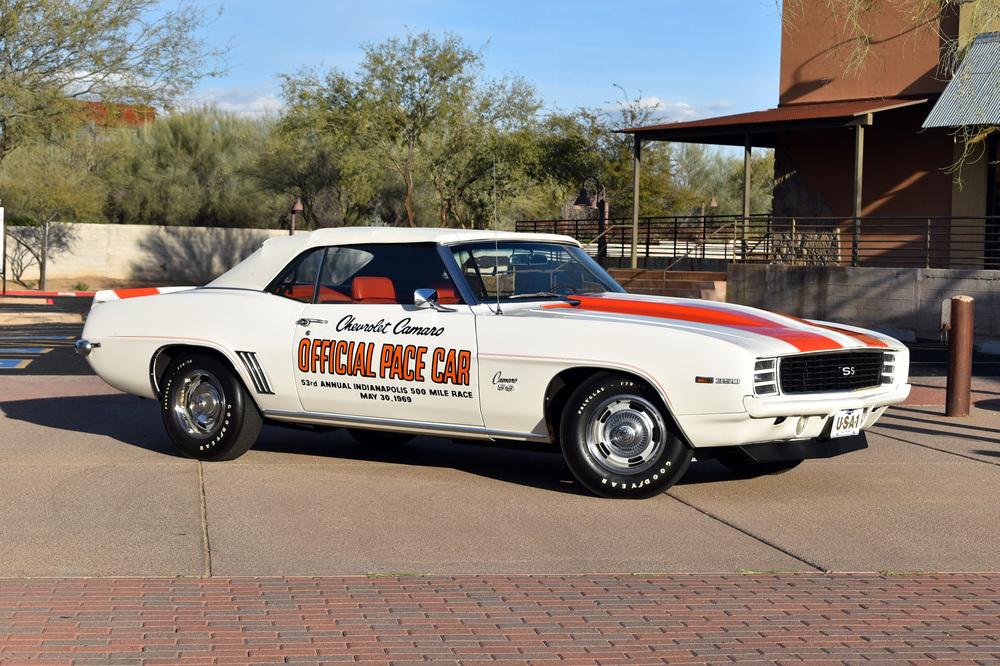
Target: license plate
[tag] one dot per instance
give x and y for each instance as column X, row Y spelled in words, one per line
column 847, row 422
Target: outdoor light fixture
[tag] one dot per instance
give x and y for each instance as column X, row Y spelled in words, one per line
column 599, row 202
column 296, row 208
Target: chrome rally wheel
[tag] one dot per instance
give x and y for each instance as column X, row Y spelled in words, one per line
column 618, row 439
column 199, row 404
column 207, row 411
column 626, row 434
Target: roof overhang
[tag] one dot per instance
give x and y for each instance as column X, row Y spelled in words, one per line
column 764, row 127
column 972, row 97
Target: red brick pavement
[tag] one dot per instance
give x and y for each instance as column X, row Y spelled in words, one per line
column 930, row 391
column 541, row 619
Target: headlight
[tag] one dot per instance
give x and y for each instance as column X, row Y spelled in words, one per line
column 765, row 376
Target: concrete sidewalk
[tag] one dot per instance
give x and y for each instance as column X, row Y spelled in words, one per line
column 93, row 488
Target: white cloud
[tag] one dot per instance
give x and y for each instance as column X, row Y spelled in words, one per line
column 680, row 110
column 239, row 100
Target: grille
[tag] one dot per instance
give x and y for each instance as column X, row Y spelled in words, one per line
column 822, row 373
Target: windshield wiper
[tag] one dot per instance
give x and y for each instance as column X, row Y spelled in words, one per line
column 546, row 294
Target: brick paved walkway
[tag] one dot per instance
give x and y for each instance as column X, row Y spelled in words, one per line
column 552, row 619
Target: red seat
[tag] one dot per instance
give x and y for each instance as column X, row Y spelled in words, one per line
column 373, row 290
column 447, row 295
column 329, row 295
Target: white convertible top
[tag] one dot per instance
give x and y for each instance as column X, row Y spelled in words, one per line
column 257, row 270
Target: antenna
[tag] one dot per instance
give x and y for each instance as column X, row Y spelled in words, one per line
column 496, row 236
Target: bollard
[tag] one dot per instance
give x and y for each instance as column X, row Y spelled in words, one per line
column 960, row 357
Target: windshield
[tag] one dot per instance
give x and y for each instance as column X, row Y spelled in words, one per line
column 524, row 271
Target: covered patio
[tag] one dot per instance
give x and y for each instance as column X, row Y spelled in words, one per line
column 764, row 129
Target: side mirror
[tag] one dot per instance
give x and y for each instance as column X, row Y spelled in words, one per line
column 426, row 298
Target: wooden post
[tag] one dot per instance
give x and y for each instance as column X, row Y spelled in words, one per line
column 602, row 228
column 959, row 390
column 44, row 263
column 636, row 160
column 747, row 148
column 859, row 159
column 3, row 251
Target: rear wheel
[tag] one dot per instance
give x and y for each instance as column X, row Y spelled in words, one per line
column 206, row 410
column 378, row 437
column 617, row 439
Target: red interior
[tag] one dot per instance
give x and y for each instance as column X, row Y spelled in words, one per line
column 373, row 290
column 447, row 294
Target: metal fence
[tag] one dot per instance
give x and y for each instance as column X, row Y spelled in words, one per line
column 693, row 241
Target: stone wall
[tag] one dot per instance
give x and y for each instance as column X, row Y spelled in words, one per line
column 98, row 253
column 905, row 302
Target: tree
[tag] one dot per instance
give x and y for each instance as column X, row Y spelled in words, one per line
column 45, row 184
column 195, row 168
column 405, row 85
column 586, row 146
column 56, row 53
column 477, row 149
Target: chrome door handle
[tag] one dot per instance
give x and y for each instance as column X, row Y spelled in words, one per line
column 306, row 321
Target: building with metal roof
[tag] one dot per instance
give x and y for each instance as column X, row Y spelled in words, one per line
column 876, row 143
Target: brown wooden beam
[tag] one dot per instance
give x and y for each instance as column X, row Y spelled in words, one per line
column 636, row 163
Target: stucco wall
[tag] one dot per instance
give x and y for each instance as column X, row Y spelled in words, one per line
column 126, row 252
column 817, row 44
column 902, row 301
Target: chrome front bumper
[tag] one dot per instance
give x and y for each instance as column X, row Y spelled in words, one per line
column 819, row 405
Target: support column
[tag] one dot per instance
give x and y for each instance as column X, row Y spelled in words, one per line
column 636, row 160
column 745, row 225
column 859, row 160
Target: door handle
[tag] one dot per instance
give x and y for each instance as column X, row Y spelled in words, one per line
column 306, row 321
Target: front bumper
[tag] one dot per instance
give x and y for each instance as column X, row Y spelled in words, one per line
column 785, row 418
column 813, row 405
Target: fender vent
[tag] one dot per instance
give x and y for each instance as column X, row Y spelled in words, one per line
column 257, row 376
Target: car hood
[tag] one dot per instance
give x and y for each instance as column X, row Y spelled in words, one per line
column 763, row 331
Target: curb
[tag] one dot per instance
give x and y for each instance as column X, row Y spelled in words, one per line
column 49, row 294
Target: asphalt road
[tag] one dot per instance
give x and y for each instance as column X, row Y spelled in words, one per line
column 91, row 486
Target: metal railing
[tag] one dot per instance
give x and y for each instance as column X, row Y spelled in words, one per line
column 899, row 242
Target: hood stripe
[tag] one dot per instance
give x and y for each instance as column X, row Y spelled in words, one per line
column 802, row 339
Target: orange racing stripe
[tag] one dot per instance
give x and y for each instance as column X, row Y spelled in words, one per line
column 136, row 292
column 869, row 340
column 802, row 340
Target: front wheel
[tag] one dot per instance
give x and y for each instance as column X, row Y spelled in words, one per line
column 618, row 440
column 206, row 410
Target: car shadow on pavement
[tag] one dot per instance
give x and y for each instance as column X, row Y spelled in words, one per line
column 136, row 422
column 124, row 418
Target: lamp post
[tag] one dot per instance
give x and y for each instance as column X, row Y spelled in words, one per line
column 296, row 208
column 600, row 202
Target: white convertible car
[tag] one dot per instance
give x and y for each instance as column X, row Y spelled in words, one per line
column 392, row 333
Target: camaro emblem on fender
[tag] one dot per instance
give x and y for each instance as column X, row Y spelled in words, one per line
column 848, row 370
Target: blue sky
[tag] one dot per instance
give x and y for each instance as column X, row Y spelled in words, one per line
column 697, row 57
